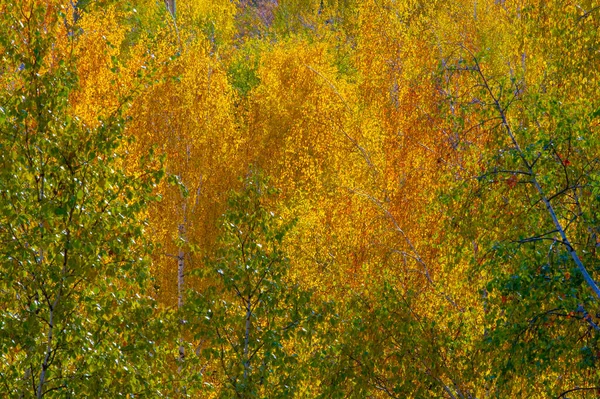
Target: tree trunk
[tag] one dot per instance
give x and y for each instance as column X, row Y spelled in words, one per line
column 180, row 280
column 171, row 6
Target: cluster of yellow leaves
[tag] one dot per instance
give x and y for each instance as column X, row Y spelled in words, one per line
column 189, row 118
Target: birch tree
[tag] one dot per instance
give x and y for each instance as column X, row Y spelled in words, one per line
column 75, row 319
column 254, row 319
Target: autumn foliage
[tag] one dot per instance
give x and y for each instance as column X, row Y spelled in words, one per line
column 300, row 198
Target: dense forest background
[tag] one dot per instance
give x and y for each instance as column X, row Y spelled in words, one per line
column 300, row 198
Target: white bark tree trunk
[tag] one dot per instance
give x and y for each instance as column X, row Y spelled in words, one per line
column 529, row 168
column 171, row 6
column 181, row 279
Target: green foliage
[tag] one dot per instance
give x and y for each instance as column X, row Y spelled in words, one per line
column 254, row 318
column 243, row 73
column 75, row 319
column 535, row 189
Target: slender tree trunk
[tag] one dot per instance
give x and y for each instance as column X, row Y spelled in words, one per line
column 50, row 337
column 247, row 338
column 46, row 363
column 181, row 281
column 529, row 167
column 171, row 6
